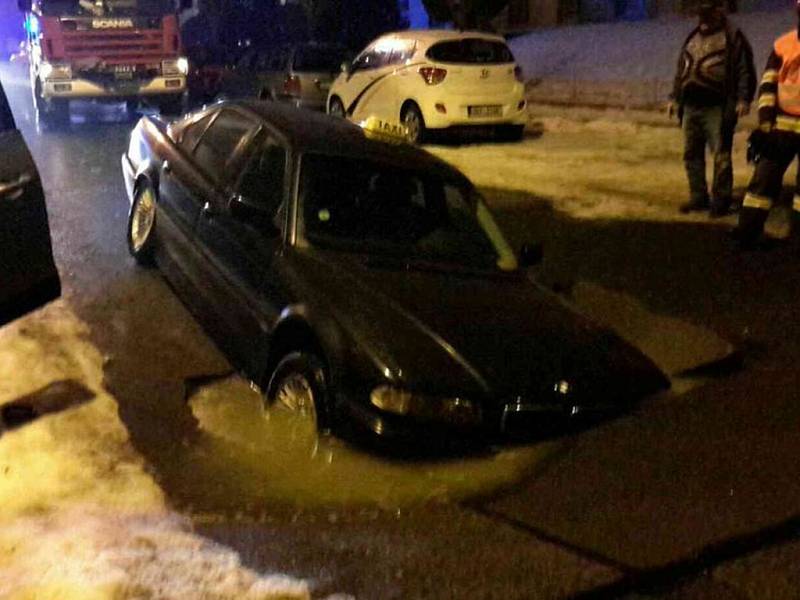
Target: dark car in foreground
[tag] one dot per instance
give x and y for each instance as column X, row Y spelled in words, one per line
column 360, row 280
column 28, row 275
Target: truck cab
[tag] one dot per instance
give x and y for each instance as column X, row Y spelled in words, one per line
column 108, row 50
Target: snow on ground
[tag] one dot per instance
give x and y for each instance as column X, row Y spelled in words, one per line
column 80, row 516
column 639, row 50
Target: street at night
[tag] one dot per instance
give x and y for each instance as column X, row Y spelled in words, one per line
column 147, row 467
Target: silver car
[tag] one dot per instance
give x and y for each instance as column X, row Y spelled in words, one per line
column 300, row 75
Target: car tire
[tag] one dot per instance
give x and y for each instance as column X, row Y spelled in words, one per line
column 415, row 124
column 299, row 385
column 336, row 108
column 142, row 225
column 510, row 133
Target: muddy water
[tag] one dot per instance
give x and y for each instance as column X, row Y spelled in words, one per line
column 283, row 457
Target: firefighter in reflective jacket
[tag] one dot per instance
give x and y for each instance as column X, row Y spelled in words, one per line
column 776, row 142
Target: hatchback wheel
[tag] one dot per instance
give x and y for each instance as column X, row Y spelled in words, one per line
column 141, row 225
column 415, row 124
column 336, row 109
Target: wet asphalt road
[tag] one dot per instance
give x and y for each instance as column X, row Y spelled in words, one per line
column 680, row 492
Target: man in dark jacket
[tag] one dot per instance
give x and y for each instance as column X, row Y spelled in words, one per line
column 714, row 86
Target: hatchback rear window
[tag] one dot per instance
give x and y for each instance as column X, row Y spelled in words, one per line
column 320, row 59
column 470, row 51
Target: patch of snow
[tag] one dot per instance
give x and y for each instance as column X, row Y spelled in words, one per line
column 81, row 518
column 642, row 50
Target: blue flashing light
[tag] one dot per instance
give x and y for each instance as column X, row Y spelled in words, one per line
column 32, row 25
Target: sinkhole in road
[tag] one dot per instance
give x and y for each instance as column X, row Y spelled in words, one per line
column 273, row 456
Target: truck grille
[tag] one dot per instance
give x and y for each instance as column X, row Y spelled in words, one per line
column 131, row 46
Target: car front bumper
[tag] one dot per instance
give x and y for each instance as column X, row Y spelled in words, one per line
column 70, row 89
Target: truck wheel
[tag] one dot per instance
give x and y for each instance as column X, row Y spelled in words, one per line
column 49, row 113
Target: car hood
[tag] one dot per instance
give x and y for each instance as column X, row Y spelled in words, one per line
column 502, row 337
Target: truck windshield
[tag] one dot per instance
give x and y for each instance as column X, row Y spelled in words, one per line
column 107, row 8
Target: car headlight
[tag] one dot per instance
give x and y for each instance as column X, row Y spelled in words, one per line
column 454, row 410
column 55, row 71
column 178, row 66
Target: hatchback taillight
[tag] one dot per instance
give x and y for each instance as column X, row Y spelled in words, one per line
column 292, row 85
column 518, row 74
column 433, row 75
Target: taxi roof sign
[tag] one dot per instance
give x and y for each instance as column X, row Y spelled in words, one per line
column 387, row 131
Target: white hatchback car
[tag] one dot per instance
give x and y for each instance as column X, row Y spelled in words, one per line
column 434, row 80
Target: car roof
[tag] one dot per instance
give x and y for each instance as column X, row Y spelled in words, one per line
column 318, row 133
column 438, row 35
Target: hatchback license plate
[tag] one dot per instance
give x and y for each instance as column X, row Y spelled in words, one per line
column 485, row 111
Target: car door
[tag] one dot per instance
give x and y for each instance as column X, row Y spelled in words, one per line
column 181, row 193
column 28, row 275
column 358, row 87
column 235, row 237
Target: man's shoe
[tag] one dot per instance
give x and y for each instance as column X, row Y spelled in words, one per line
column 693, row 206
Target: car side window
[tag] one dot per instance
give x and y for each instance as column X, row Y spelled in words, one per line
column 263, row 181
column 219, row 143
column 370, row 59
column 6, row 120
column 403, row 52
column 192, row 132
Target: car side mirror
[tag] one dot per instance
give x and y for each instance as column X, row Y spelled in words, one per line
column 347, row 67
column 24, row 5
column 531, row 255
column 247, row 211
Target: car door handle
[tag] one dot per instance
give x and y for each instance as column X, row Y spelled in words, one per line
column 12, row 187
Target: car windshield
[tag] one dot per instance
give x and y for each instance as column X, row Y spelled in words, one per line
column 470, row 51
column 107, row 8
column 385, row 210
column 321, row 59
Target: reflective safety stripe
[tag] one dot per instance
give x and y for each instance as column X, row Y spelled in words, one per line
column 770, row 76
column 796, row 203
column 787, row 124
column 756, row 201
column 766, row 100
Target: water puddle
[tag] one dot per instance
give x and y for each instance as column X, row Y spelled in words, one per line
column 278, row 458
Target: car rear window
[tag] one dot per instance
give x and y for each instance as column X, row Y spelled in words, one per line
column 470, row 51
column 322, row 59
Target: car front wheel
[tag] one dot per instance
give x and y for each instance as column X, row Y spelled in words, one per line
column 336, row 109
column 141, row 226
column 298, row 386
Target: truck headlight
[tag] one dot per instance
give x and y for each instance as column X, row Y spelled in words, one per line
column 178, row 66
column 55, row 71
column 454, row 410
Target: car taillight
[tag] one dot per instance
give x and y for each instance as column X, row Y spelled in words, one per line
column 433, row 75
column 292, row 86
column 518, row 74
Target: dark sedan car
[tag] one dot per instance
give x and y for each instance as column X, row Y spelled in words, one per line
column 352, row 278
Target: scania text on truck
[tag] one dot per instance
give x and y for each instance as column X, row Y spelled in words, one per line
column 109, row 50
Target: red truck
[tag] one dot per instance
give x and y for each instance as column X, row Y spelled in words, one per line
column 109, row 50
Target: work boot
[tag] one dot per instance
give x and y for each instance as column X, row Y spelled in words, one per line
column 693, row 206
